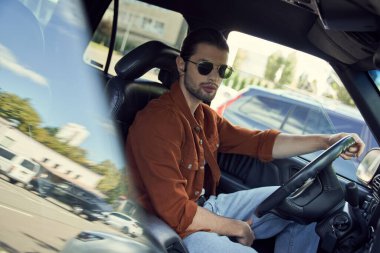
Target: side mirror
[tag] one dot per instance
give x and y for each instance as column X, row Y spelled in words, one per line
column 369, row 166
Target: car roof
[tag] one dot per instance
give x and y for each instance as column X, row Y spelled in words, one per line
column 329, row 105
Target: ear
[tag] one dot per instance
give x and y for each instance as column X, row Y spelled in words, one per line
column 180, row 64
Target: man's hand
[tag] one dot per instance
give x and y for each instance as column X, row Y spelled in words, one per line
column 240, row 230
column 354, row 151
column 246, row 236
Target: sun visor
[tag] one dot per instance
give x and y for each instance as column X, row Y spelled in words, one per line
column 344, row 15
column 347, row 47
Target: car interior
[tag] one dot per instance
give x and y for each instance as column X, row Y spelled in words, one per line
column 345, row 33
column 349, row 43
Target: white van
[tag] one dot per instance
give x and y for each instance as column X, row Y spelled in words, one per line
column 17, row 168
column 6, row 157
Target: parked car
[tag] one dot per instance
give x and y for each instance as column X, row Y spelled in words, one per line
column 58, row 61
column 291, row 112
column 41, row 185
column 124, row 223
column 81, row 201
column 17, row 167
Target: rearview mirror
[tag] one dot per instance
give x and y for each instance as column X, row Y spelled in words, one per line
column 369, row 166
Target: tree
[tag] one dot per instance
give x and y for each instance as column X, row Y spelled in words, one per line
column 302, row 81
column 288, row 69
column 274, row 63
column 14, row 108
column 112, row 176
column 52, row 131
column 240, row 57
column 342, row 94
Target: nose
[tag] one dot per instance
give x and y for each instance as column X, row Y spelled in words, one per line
column 214, row 75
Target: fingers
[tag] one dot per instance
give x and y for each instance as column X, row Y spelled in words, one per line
column 355, row 150
column 247, row 237
column 358, row 147
column 250, row 223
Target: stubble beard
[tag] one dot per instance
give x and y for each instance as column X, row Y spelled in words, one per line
column 196, row 91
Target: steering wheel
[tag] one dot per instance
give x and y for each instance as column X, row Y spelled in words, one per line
column 312, row 192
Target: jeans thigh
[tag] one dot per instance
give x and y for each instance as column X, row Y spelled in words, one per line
column 206, row 242
column 239, row 205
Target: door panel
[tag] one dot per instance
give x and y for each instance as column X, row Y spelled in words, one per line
column 240, row 172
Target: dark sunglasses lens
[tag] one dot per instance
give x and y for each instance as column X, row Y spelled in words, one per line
column 204, row 68
column 225, row 71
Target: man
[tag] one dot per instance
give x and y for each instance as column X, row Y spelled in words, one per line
column 175, row 136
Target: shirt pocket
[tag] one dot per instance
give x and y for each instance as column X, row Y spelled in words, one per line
column 188, row 167
column 190, row 171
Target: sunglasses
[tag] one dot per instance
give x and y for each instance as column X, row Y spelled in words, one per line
column 205, row 68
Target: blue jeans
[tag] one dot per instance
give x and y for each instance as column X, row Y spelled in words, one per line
column 291, row 237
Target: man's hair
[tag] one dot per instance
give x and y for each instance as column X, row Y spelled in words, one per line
column 203, row 35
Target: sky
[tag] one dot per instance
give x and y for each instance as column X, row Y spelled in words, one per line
column 59, row 86
column 58, row 102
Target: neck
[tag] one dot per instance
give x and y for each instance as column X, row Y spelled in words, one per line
column 191, row 101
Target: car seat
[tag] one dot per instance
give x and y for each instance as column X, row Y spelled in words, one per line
column 128, row 94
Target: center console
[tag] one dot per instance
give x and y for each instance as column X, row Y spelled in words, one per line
column 354, row 228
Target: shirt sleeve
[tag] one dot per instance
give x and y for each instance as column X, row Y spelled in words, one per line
column 155, row 144
column 238, row 140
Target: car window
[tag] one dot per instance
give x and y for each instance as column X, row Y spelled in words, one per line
column 318, row 122
column 138, row 23
column 6, row 154
column 304, row 120
column 28, row 164
column 266, row 110
column 295, row 123
column 340, row 124
column 54, row 111
column 375, row 76
column 293, row 92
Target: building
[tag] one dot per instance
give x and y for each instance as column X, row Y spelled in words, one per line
column 55, row 163
column 72, row 134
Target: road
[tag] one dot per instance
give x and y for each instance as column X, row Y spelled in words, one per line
column 31, row 224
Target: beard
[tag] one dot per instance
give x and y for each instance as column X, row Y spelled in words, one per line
column 197, row 91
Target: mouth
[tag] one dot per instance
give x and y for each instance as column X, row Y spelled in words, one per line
column 209, row 87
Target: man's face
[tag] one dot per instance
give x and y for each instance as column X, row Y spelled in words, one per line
column 204, row 87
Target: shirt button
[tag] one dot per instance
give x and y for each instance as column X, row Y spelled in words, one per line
column 197, row 129
column 200, row 141
column 196, row 193
column 189, row 166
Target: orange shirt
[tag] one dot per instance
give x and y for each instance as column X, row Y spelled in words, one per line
column 168, row 147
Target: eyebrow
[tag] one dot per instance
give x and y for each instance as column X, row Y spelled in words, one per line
column 203, row 59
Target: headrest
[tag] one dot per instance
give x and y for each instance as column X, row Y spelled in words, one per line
column 152, row 54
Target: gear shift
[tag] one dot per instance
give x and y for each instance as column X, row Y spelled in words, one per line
column 352, row 194
column 352, row 197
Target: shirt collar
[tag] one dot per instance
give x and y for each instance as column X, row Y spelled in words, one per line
column 179, row 100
